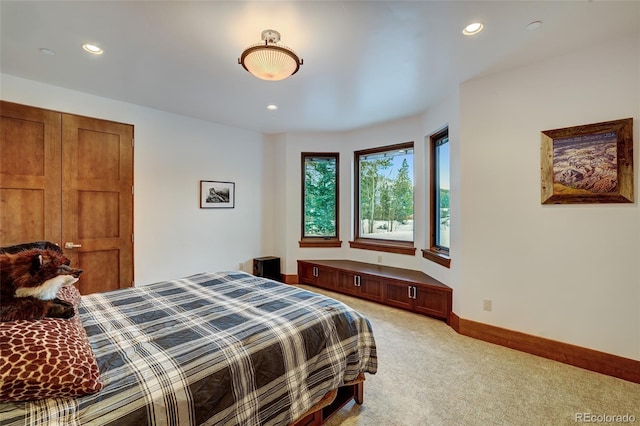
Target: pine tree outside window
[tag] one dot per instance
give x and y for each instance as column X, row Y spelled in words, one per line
column 384, row 199
column 440, row 214
column 320, row 209
column 441, row 202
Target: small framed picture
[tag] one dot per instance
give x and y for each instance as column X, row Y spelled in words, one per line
column 591, row 163
column 217, row 195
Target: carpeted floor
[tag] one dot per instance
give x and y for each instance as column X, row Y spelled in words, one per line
column 430, row 375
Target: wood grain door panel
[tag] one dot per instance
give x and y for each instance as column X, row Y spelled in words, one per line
column 327, row 278
column 25, row 227
column 101, row 269
column 97, row 200
column 431, row 302
column 371, row 288
column 306, row 273
column 30, row 175
column 397, row 294
column 346, row 283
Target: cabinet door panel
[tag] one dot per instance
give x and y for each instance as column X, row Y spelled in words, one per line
column 346, row 283
column 431, row 302
column 371, row 288
column 327, row 278
column 305, row 273
column 397, row 294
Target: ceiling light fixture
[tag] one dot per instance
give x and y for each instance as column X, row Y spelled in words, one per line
column 268, row 60
column 92, row 48
column 473, row 28
column 272, row 107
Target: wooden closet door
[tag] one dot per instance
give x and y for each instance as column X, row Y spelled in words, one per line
column 30, row 175
column 97, row 201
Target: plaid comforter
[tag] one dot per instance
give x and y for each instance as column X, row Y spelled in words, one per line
column 223, row 349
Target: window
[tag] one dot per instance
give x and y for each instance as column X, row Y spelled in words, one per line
column 439, row 200
column 384, row 199
column 320, row 227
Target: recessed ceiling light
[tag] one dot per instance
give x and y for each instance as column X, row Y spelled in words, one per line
column 534, row 25
column 92, row 48
column 473, row 28
column 272, row 107
column 47, row 52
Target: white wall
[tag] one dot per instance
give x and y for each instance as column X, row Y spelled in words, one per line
column 565, row 272
column 173, row 236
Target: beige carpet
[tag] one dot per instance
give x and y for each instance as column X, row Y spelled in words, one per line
column 430, row 375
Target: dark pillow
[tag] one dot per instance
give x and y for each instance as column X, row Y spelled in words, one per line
column 42, row 245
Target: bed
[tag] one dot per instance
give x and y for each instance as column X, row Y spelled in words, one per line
column 223, row 348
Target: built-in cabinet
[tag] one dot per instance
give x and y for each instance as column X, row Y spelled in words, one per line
column 318, row 276
column 402, row 288
column 418, row 298
column 361, row 285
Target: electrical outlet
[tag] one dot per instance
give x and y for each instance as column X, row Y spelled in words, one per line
column 379, row 259
column 486, row 304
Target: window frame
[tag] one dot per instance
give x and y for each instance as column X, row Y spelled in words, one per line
column 365, row 243
column 309, row 241
column 435, row 252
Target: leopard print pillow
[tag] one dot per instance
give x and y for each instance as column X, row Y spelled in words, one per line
column 48, row 358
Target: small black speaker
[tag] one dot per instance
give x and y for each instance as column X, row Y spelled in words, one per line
column 267, row 267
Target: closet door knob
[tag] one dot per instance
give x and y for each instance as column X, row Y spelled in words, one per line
column 71, row 245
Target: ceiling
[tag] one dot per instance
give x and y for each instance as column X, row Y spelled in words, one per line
column 365, row 62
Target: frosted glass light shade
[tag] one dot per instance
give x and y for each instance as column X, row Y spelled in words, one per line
column 269, row 61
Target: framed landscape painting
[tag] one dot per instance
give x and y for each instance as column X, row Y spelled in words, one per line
column 217, row 195
column 592, row 163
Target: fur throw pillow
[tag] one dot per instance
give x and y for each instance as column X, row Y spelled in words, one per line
column 30, row 276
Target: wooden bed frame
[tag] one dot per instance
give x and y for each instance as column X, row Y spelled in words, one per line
column 332, row 402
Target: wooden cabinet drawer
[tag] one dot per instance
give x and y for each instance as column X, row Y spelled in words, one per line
column 417, row 298
column 313, row 274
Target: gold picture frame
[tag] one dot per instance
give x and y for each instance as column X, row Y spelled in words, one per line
column 592, row 163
